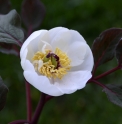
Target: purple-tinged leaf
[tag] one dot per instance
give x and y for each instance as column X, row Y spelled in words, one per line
column 105, row 45
column 114, row 93
column 4, row 6
column 119, row 52
column 33, row 12
column 9, row 49
column 10, row 28
column 3, row 94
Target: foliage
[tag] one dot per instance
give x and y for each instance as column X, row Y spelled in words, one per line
column 90, row 18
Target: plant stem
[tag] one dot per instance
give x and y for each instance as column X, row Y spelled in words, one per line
column 103, row 86
column 39, row 109
column 94, row 69
column 28, row 91
column 28, row 99
column 107, row 73
column 98, row 83
column 48, row 98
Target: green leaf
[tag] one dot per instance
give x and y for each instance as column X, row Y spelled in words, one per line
column 3, row 93
column 105, row 45
column 10, row 30
column 4, row 6
column 114, row 93
column 33, row 12
column 119, row 52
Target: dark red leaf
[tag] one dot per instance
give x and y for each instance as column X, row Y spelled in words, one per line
column 10, row 28
column 33, row 12
column 114, row 93
column 119, row 52
column 9, row 49
column 105, row 45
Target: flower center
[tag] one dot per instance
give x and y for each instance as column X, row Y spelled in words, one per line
column 52, row 65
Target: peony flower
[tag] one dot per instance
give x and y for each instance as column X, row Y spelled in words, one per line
column 56, row 61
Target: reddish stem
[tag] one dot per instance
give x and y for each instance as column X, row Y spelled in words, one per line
column 103, row 86
column 108, row 72
column 48, row 98
column 28, row 99
column 28, row 91
column 94, row 69
column 98, row 83
column 39, row 109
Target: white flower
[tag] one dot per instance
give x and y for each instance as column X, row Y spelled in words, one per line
column 56, row 61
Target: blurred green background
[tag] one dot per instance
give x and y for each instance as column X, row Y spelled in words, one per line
column 87, row 106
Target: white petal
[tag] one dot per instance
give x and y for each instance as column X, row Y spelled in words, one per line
column 37, row 43
column 73, row 81
column 88, row 63
column 61, row 40
column 76, row 36
column 42, row 83
column 53, row 32
column 33, row 38
column 30, row 53
column 44, row 39
column 76, row 53
column 26, row 56
column 23, row 58
column 46, row 46
column 28, row 66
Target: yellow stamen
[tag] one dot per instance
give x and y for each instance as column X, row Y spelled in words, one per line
column 51, row 67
